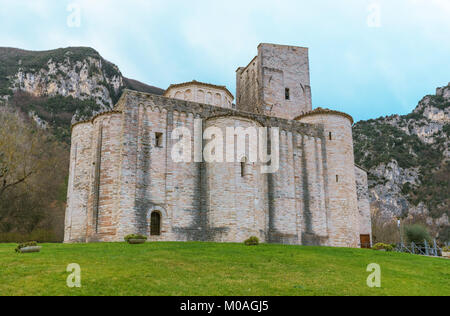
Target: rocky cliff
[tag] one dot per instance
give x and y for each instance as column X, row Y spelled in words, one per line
column 57, row 84
column 408, row 160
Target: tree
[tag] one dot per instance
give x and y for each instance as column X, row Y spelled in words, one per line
column 33, row 172
column 20, row 154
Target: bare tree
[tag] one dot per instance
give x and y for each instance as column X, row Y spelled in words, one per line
column 384, row 228
column 33, row 172
column 20, row 152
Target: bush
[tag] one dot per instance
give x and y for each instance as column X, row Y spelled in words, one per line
column 446, row 249
column 417, row 234
column 26, row 244
column 252, row 241
column 133, row 236
column 381, row 246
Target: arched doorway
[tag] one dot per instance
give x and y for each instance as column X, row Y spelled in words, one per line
column 155, row 224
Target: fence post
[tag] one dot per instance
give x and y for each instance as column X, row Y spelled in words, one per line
column 413, row 250
column 427, row 252
column 435, row 248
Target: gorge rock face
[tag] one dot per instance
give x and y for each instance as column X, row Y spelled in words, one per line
column 79, row 72
column 57, row 85
column 408, row 161
column 79, row 79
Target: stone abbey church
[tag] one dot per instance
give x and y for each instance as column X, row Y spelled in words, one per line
column 124, row 180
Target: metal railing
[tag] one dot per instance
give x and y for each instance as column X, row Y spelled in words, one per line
column 424, row 249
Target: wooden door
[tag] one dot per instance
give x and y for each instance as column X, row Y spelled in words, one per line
column 365, row 241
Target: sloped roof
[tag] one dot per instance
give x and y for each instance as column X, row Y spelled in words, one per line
column 186, row 84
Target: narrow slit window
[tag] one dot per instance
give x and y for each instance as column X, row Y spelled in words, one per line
column 159, row 140
column 337, row 178
column 243, row 167
column 331, row 136
column 287, row 94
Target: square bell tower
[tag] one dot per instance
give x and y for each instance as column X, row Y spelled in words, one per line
column 276, row 82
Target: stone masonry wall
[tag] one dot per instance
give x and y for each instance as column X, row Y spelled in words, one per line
column 248, row 98
column 102, row 206
column 284, row 67
column 79, row 179
column 261, row 86
column 201, row 93
column 342, row 210
column 236, row 194
column 180, row 190
column 365, row 223
column 126, row 174
column 93, row 180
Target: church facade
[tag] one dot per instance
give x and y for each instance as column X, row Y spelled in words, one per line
column 125, row 177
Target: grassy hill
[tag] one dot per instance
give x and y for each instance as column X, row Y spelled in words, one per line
column 217, row 269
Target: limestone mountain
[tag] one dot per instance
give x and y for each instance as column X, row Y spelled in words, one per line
column 53, row 86
column 408, row 160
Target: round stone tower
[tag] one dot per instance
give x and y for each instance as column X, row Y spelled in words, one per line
column 79, row 184
column 94, row 167
column 201, row 92
column 236, row 191
column 103, row 204
column 342, row 212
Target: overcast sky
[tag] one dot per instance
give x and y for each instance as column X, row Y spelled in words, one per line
column 368, row 57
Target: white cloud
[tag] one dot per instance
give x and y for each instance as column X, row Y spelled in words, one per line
column 162, row 42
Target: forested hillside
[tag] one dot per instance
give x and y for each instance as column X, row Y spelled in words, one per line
column 408, row 159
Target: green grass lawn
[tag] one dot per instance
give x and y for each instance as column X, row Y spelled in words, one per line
column 217, row 269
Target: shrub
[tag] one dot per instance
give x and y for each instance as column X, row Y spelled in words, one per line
column 133, row 236
column 381, row 246
column 446, row 249
column 252, row 241
column 417, row 234
column 26, row 244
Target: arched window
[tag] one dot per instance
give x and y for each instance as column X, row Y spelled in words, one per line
column 209, row 98
column 155, row 224
column 179, row 95
column 201, row 96
column 159, row 140
column 188, row 95
column 218, row 99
